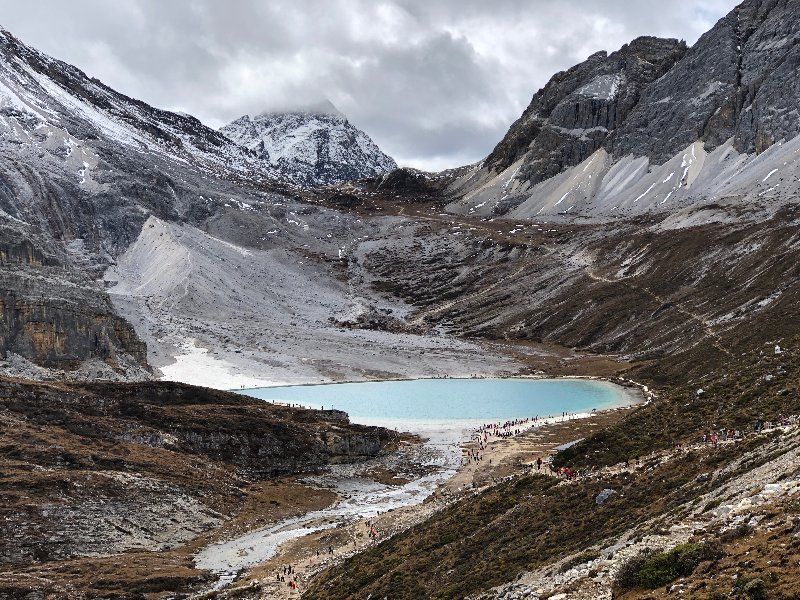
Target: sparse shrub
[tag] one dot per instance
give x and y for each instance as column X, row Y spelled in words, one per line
column 628, row 574
column 657, row 571
column 752, row 588
column 741, row 530
column 651, row 570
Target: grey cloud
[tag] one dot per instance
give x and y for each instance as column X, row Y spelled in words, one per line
column 436, row 84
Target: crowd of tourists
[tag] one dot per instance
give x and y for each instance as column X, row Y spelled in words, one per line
column 715, row 436
column 288, row 572
column 289, row 576
column 504, row 430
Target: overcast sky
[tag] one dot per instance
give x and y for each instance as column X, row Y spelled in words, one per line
column 435, row 83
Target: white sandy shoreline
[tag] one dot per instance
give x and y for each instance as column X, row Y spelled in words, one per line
column 442, row 378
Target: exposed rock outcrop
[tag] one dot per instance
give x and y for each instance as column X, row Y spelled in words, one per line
column 654, row 97
column 55, row 317
column 739, row 81
column 408, row 184
column 574, row 114
column 655, row 128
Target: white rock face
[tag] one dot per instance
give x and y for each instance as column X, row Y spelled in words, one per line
column 693, row 187
column 314, row 145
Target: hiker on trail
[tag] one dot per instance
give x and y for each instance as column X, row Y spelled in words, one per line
column 539, row 464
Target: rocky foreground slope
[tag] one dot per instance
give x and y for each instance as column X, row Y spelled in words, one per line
column 91, row 471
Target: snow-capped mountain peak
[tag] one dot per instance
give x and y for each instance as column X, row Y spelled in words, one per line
column 323, row 107
column 310, row 145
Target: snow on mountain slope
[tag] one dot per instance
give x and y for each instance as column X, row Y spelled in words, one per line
column 104, row 161
column 309, row 146
column 39, row 91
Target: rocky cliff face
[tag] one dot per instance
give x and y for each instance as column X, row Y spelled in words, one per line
column 53, row 316
column 574, row 114
column 310, row 146
column 738, row 81
column 654, row 128
column 654, row 97
column 62, row 333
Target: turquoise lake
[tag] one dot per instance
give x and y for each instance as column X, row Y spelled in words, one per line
column 443, row 400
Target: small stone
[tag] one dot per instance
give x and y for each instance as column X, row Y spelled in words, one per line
column 604, row 495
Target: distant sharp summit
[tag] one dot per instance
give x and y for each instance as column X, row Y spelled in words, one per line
column 323, row 107
column 310, row 145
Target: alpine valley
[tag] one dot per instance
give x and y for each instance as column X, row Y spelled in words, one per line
column 638, row 223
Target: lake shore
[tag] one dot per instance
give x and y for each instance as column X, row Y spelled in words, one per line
column 500, row 457
column 197, row 361
column 480, row 377
column 406, row 404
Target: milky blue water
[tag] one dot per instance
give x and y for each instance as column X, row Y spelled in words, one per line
column 443, row 400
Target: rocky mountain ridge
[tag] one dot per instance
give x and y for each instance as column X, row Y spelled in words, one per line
column 578, row 109
column 655, row 128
